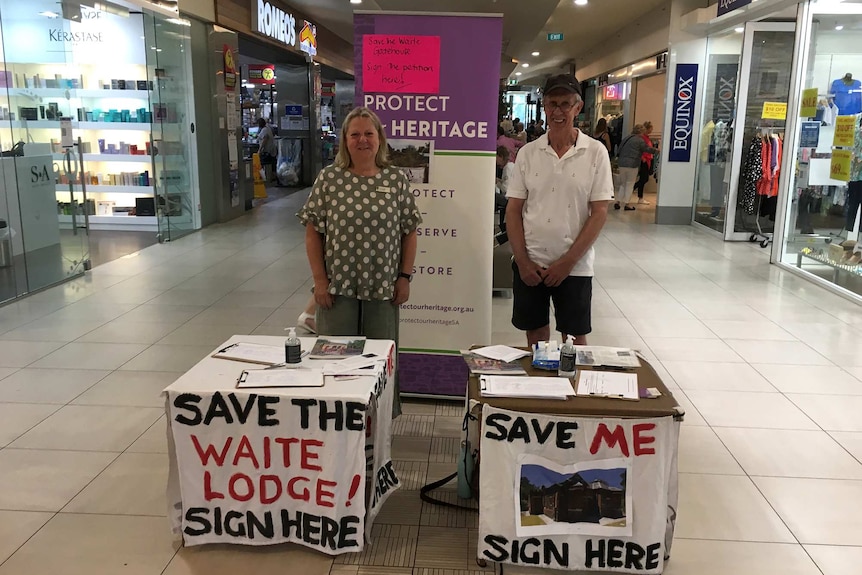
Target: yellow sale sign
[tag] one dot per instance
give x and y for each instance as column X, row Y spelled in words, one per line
column 845, row 131
column 809, row 103
column 774, row 111
column 839, row 168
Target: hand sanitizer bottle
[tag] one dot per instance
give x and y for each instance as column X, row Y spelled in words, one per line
column 292, row 348
column 567, row 359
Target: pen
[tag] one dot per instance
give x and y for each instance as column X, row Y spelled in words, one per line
column 227, row 348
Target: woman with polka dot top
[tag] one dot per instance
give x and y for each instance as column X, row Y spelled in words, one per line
column 360, row 235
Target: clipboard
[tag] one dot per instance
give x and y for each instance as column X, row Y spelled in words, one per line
column 291, row 377
column 251, row 353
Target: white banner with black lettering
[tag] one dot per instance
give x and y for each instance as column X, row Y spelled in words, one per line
column 259, row 469
column 577, row 493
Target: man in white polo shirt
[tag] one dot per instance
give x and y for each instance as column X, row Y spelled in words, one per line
column 558, row 203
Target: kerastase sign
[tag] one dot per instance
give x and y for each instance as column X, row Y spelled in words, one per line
column 727, row 6
column 411, row 71
column 682, row 120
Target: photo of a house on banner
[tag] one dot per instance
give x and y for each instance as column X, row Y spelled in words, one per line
column 586, row 498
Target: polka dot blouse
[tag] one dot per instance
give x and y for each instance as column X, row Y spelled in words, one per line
column 362, row 220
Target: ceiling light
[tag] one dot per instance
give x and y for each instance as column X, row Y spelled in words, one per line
column 525, row 65
column 356, row 1
column 580, row 2
column 739, row 30
column 535, row 53
column 49, row 14
column 839, row 27
column 517, row 73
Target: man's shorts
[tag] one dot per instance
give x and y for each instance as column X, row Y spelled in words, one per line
column 572, row 304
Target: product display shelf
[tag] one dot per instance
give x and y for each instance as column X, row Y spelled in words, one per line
column 55, row 125
column 77, row 93
column 111, row 157
column 114, row 223
column 94, row 189
column 837, row 268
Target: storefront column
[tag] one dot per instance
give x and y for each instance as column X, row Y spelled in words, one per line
column 676, row 184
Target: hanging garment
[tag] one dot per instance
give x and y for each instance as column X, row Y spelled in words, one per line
column 752, row 169
column 808, row 200
column 856, row 163
column 775, row 163
column 764, row 183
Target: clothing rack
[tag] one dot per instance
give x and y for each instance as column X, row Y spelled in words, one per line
column 759, row 234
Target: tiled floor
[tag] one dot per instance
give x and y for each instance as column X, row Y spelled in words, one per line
column 767, row 365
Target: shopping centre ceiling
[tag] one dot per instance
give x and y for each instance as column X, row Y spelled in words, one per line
column 526, row 25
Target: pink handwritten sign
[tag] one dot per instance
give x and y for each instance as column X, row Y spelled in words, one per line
column 407, row 64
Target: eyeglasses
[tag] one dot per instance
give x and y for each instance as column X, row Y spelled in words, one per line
column 564, row 107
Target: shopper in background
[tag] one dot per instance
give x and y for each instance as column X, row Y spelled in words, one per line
column 540, row 128
column 360, row 236
column 558, row 203
column 510, row 144
column 632, row 149
column 645, row 168
column 306, row 319
column 505, row 169
column 266, row 144
column 602, row 134
column 520, row 133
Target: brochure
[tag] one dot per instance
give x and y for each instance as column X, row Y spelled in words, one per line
column 337, row 347
column 484, row 365
column 606, row 356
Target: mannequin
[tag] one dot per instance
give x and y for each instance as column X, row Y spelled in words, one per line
column 718, row 159
column 847, row 95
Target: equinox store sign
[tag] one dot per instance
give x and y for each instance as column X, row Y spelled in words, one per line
column 273, row 22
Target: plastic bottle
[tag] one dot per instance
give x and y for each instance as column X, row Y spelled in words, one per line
column 292, row 348
column 567, row 359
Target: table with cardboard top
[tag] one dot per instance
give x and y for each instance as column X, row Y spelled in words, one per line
column 581, row 484
column 259, row 466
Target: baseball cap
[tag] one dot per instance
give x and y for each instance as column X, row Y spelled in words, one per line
column 565, row 82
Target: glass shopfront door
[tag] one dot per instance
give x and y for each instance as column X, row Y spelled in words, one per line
column 744, row 114
column 44, row 236
column 758, row 133
column 822, row 225
column 715, row 152
column 169, row 70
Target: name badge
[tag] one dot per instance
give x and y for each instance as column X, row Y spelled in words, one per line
column 384, row 189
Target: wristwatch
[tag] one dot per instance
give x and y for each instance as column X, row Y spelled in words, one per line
column 406, row 275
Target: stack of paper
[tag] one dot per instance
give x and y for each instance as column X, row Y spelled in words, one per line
column 358, row 365
column 252, row 353
column 527, row 387
column 609, row 356
column 501, row 352
column 608, row 384
column 295, row 377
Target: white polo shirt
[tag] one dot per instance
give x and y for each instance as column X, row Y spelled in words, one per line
column 558, row 192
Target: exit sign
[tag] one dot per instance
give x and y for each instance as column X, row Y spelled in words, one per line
column 555, row 37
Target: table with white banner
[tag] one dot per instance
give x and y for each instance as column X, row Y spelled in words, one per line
column 309, row 465
column 585, row 484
